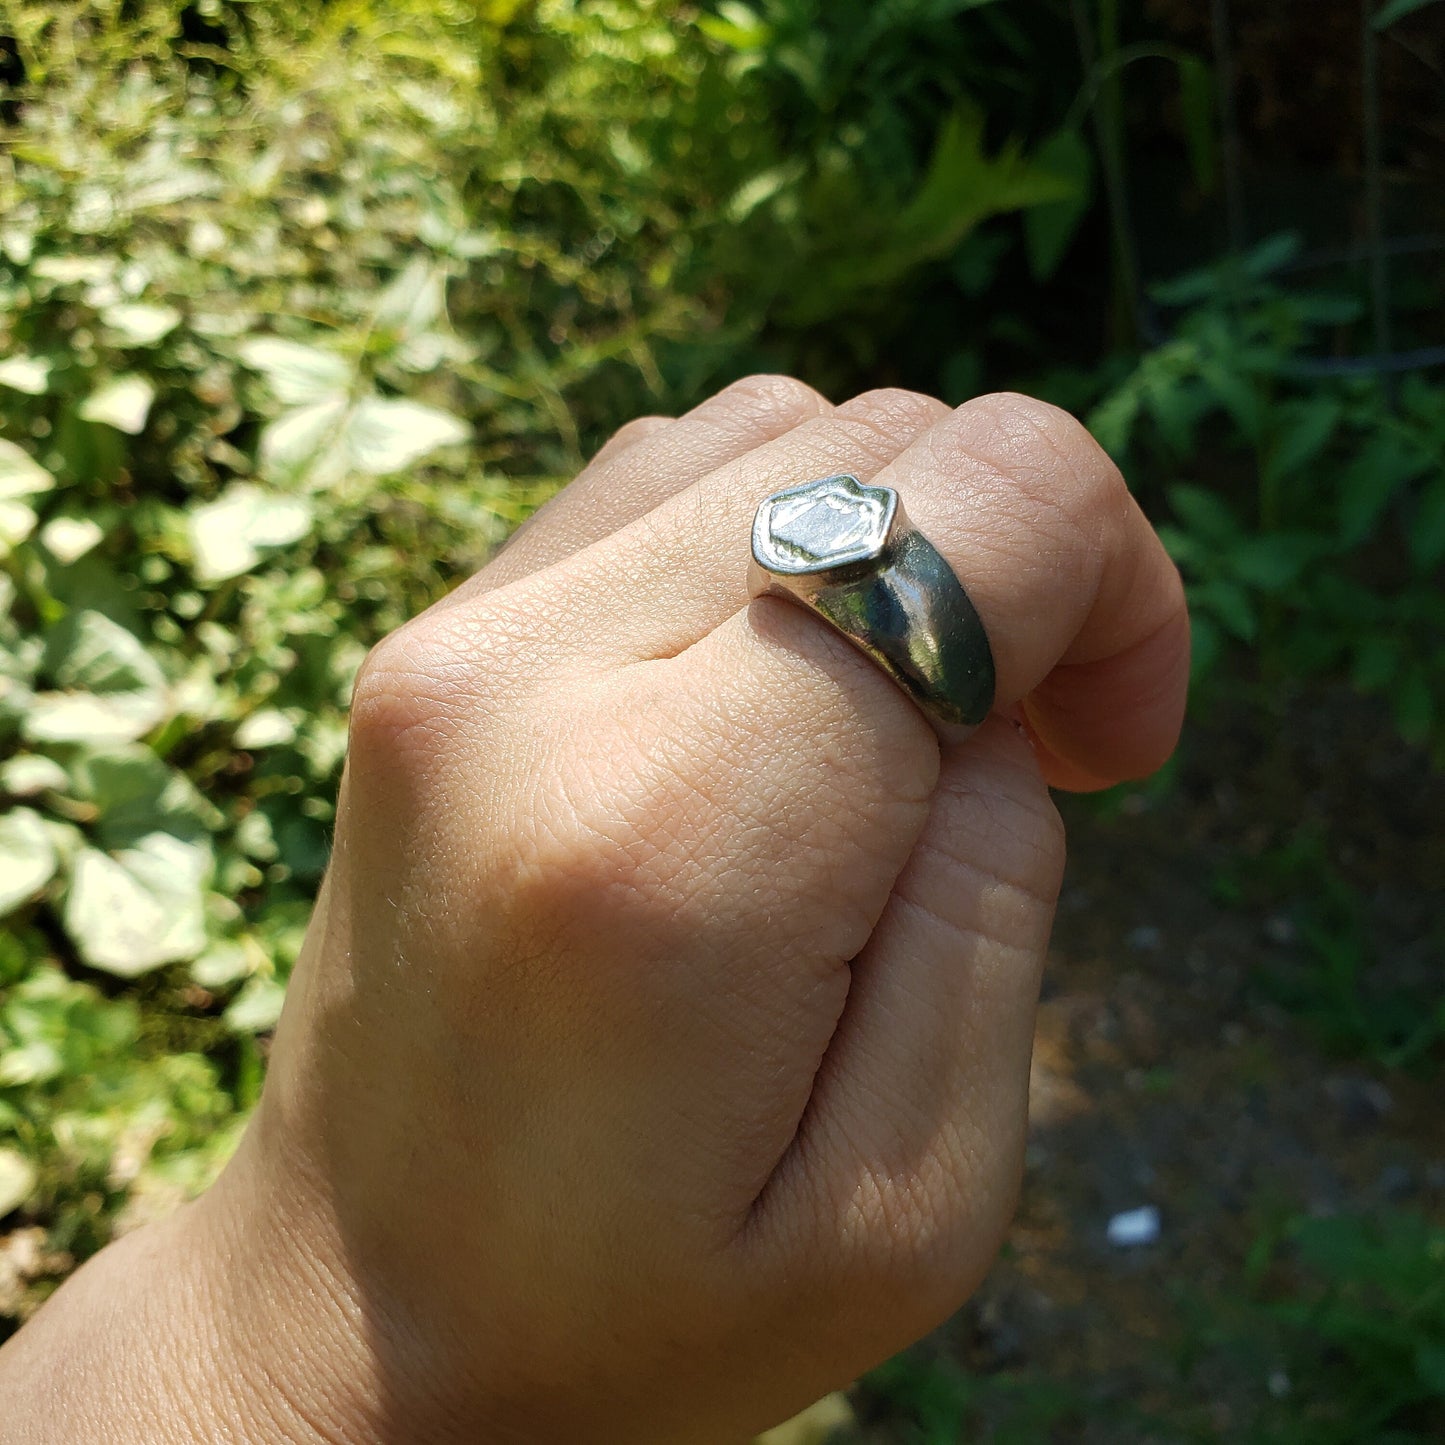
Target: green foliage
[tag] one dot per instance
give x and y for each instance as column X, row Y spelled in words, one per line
column 1346, row 1316
column 292, row 330
column 1308, row 512
column 101, row 1115
column 1339, row 1323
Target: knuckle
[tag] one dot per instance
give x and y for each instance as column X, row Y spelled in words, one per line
column 1053, row 456
column 383, row 695
column 888, row 418
column 638, row 429
column 895, row 404
column 773, row 400
column 436, row 675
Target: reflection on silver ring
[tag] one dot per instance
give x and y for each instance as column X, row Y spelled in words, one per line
column 847, row 551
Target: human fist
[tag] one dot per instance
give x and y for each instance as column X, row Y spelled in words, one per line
column 658, row 1057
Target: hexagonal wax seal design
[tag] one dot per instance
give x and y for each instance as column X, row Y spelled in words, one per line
column 823, row 524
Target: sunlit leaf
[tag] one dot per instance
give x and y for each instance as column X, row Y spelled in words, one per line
column 27, row 857
column 26, row 774
column 138, row 324
column 20, row 474
column 296, row 374
column 385, row 436
column 141, row 908
column 29, row 374
column 124, row 403
column 257, row 1007
column 108, row 687
column 17, row 522
column 17, row 1180
column 67, row 539
column 737, row 26
column 229, row 535
column 265, row 728
column 413, row 301
column 294, row 444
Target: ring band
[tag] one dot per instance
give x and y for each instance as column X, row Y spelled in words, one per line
column 848, row 552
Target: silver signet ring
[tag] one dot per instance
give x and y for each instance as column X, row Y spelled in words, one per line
column 847, row 551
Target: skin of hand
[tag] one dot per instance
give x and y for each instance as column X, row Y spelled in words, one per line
column 658, row 1057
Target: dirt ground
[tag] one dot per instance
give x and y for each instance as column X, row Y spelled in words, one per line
column 1232, row 955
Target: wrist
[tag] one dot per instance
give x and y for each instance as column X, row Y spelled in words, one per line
column 218, row 1322
column 134, row 1347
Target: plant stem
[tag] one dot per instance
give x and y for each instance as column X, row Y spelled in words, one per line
column 1100, row 66
column 1375, row 185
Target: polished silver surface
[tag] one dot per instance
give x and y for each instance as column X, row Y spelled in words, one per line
column 847, row 551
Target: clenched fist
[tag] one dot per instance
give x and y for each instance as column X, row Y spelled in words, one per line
column 658, row 1057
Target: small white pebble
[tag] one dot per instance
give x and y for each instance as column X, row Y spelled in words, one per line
column 1134, row 1226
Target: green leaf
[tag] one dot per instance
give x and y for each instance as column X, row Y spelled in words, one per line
column 385, row 436
column 229, row 534
column 1050, row 226
column 1371, row 481
column 1395, row 10
column 1427, row 535
column 1414, row 704
column 1377, row 661
column 296, row 374
column 1204, row 514
column 17, row 1180
column 109, row 688
column 1430, row 1365
column 123, row 403
column 1206, row 644
column 27, row 858
column 20, row 475
column 140, row 909
column 1305, row 429
column 1273, row 562
column 737, row 26
column 135, row 794
column 228, row 961
column 1229, row 604
column 1236, row 392
column 963, row 186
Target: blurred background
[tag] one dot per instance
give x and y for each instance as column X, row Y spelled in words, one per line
column 303, row 306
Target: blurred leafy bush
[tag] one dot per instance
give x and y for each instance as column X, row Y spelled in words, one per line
column 297, row 319
column 1308, row 509
column 1337, row 1326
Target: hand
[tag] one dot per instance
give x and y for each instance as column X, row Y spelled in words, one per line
column 658, row 1057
